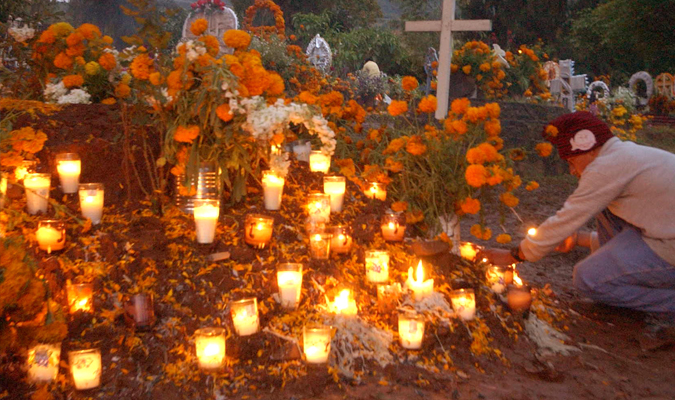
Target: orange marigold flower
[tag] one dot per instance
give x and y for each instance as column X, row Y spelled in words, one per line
column 470, row 206
column 141, row 66
column 375, row 135
column 491, row 154
column 89, row 31
column 346, row 166
column 74, row 39
column 503, row 238
column 427, row 104
column 71, row 81
column 395, row 145
column 466, row 69
column 393, row 166
column 496, row 142
column 493, row 110
column 454, row 68
column 155, row 78
column 174, row 80
column 107, row 61
column 485, row 67
column 532, row 185
column 476, row 175
column 475, row 156
column 528, row 93
column 307, row 97
column 409, row 83
column 224, row 113
column 544, row 149
column 459, row 127
column 480, row 232
column 397, row 107
column 212, row 44
column 236, row 39
column 415, row 146
column 399, row 206
column 496, row 176
column 276, row 87
column 509, row 199
column 551, row 131
column 199, row 26
column 122, row 90
column 186, row 134
column 493, row 127
column 47, row 37
column 475, row 114
column 61, row 28
column 460, row 106
column 63, row 61
column 109, row 101
column 517, row 154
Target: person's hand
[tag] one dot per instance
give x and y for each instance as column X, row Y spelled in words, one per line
column 568, row 244
column 496, row 256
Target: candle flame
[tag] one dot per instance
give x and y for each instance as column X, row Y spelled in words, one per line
column 341, row 301
column 341, row 237
column 516, row 279
column 467, row 251
column 260, row 226
column 317, row 237
column 419, row 275
column 211, row 349
column 392, row 225
column 532, row 231
column 373, row 189
column 318, row 205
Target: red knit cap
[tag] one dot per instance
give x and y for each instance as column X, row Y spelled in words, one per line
column 578, row 133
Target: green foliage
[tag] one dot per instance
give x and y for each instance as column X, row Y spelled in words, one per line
column 33, row 12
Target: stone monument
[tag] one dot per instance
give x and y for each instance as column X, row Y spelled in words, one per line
column 221, row 19
column 319, row 54
column 642, row 98
column 664, row 85
column 598, row 86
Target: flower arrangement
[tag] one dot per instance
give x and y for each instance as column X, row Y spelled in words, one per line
column 279, row 27
column 526, row 77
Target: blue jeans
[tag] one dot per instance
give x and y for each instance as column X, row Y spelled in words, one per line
column 624, row 271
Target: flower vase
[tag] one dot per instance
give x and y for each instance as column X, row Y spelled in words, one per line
column 208, row 186
column 450, row 225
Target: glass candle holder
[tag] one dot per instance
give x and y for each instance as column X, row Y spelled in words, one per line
column 289, row 280
column 43, row 362
column 335, row 187
column 91, row 201
column 206, row 213
column 519, row 297
column 80, row 297
column 258, row 230
column 68, row 165
column 377, row 266
column 85, row 367
column 464, row 303
column 319, row 245
column 393, row 227
column 51, row 235
column 37, row 192
column 376, row 190
column 273, row 189
column 411, row 330
column 316, row 343
column 313, row 226
column 318, row 207
column 421, row 288
column 139, row 311
column 343, row 304
column 245, row 316
column 301, row 149
column 210, row 347
column 341, row 242
column 498, row 277
column 319, row 162
column 26, row 167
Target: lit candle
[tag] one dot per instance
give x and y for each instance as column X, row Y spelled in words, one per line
column 26, row 167
column 68, row 166
column 335, row 186
column 206, row 213
column 468, row 251
column 498, row 277
column 91, row 201
column 319, row 245
column 37, row 192
column 518, row 295
column 85, row 365
column 43, row 362
column 245, row 316
column 210, row 347
column 341, row 242
column 376, row 190
column 51, row 235
column 532, row 231
column 289, row 280
column 421, row 289
column 393, row 227
column 318, row 207
column 3, row 188
column 258, row 230
column 343, row 304
column 318, row 161
column 302, row 150
column 316, row 343
column 464, row 303
column 377, row 266
column 80, row 297
column 411, row 330
column 273, row 188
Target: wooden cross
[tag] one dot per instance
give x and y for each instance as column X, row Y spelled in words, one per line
column 446, row 26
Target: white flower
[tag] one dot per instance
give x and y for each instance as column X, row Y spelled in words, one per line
column 21, row 34
column 76, row 96
column 54, row 90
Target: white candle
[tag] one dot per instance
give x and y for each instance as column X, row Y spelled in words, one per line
column 377, row 266
column 258, row 230
column 319, row 162
column 302, row 151
column 316, row 343
column 68, row 166
column 319, row 245
column 411, row 331
column 210, row 347
column 421, row 289
column 51, row 235
column 206, row 213
column 318, row 207
column 245, row 316
column 341, row 242
column 37, row 192
column 91, row 201
column 343, row 304
column 393, row 227
column 85, row 365
column 273, row 188
column 80, row 297
column 43, row 362
column 289, row 280
column 376, row 190
column 335, row 187
column 464, row 303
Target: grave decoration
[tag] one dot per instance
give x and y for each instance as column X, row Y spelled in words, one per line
column 646, row 79
column 319, row 54
column 220, row 19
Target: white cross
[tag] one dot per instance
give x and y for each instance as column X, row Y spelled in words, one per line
column 446, row 26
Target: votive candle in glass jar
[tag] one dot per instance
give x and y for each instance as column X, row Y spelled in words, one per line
column 377, row 266
column 393, row 227
column 245, row 316
column 85, row 366
column 206, row 213
column 464, row 303
column 258, row 230
column 80, row 297
column 319, row 245
column 210, row 347
column 335, row 187
column 273, row 189
column 411, row 330
column 341, row 242
column 51, row 235
column 289, row 280
column 319, row 161
column 421, row 288
column 37, row 192
column 316, row 343
column 376, row 190
column 318, row 207
column 43, row 362
column 139, row 311
column 91, row 201
column 498, row 277
column 68, row 166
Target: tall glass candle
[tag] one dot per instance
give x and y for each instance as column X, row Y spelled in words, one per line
column 37, row 192
column 43, row 362
column 273, row 189
column 245, row 316
column 51, row 235
column 80, row 297
column 85, row 366
column 376, row 190
column 206, row 213
column 341, row 242
column 258, row 230
column 139, row 311
column 319, row 162
column 210, row 347
column 411, row 330
column 318, row 207
column 68, row 166
column 319, row 245
column 393, row 227
column 91, row 201
column 316, row 343
column 421, row 289
column 289, row 280
column 335, row 187
column 377, row 266
column 464, row 303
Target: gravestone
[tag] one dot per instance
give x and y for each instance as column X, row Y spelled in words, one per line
column 552, row 71
column 319, row 54
column 664, row 85
column 567, row 84
column 642, row 98
column 429, row 60
column 602, row 86
column 220, row 21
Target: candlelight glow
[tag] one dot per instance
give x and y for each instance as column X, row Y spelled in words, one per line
column 468, row 252
column 516, row 279
column 532, row 231
column 343, row 304
column 420, row 288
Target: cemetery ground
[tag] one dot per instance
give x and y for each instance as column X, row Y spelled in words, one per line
column 604, row 353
